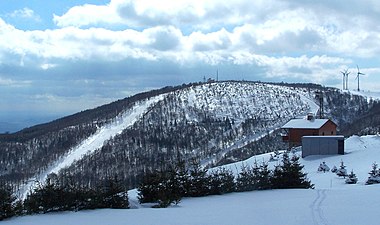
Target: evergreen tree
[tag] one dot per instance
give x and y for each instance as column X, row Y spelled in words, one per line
column 299, row 177
column 374, row 175
column 6, row 202
column 148, row 188
column 221, row 182
column 227, row 181
column 199, row 180
column 264, row 177
column 351, row 179
column 44, row 198
column 342, row 172
column 289, row 174
column 277, row 178
column 164, row 187
column 114, row 194
column 246, row 180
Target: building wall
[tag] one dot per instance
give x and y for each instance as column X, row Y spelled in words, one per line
column 295, row 135
column 322, row 145
column 329, row 128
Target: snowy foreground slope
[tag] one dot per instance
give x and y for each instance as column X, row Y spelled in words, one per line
column 331, row 202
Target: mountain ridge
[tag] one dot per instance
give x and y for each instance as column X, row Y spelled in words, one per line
column 198, row 120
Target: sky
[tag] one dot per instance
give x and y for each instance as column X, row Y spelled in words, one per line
column 61, row 57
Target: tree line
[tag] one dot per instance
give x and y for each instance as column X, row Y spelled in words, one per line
column 167, row 186
column 55, row 196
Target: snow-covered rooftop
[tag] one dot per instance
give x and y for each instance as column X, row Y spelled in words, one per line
column 305, row 124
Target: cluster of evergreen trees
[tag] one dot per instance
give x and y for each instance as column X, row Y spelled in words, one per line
column 168, row 186
column 7, row 199
column 52, row 196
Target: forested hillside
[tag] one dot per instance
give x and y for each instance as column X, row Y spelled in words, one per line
column 213, row 122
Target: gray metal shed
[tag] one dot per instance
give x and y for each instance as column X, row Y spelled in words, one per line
column 322, row 145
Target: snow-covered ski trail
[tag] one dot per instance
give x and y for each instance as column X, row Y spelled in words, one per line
column 96, row 141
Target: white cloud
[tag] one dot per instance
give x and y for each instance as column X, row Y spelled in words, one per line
column 286, row 38
column 204, row 14
column 25, row 13
column 87, row 15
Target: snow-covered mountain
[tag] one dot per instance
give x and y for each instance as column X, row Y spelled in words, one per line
column 331, row 202
column 215, row 122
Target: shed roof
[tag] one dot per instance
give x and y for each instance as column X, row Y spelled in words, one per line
column 305, row 124
column 338, row 137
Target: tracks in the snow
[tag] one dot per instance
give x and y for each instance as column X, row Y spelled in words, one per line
column 317, row 209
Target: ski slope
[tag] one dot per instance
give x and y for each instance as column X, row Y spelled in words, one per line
column 96, row 141
column 332, row 202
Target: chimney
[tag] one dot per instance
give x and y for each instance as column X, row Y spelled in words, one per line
column 310, row 116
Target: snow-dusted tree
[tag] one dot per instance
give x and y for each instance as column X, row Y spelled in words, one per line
column 351, row 178
column 374, row 175
column 323, row 167
column 342, row 172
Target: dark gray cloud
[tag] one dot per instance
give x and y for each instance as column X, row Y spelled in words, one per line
column 166, row 39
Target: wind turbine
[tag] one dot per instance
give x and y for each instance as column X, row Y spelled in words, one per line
column 358, row 76
column 345, row 79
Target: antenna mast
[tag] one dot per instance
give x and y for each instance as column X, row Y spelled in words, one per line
column 319, row 95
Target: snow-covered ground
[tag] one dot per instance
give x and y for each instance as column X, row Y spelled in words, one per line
column 331, row 202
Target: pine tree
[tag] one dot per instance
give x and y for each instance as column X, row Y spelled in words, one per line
column 277, row 177
column 114, row 194
column 164, row 187
column 221, row 182
column 264, row 177
column 300, row 178
column 289, row 174
column 45, row 198
column 351, row 178
column 247, row 179
column 342, row 172
column 227, row 181
column 6, row 202
column 199, row 180
column 148, row 188
column 374, row 175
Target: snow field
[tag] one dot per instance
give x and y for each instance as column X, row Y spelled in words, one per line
column 327, row 204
